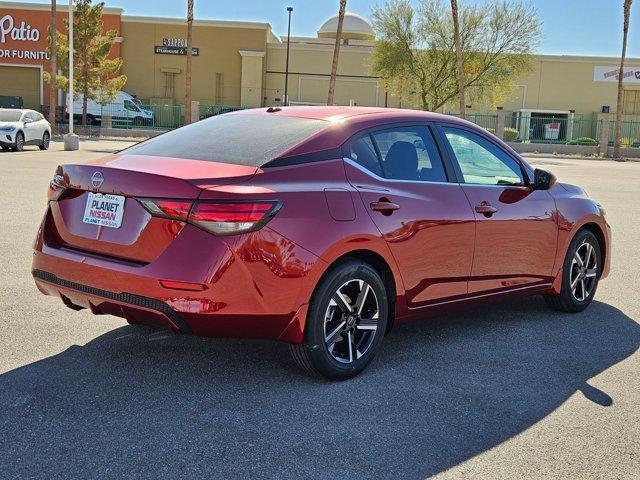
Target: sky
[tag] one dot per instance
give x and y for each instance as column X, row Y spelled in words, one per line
column 569, row 27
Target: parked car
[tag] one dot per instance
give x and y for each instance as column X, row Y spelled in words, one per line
column 321, row 227
column 124, row 109
column 61, row 113
column 10, row 101
column 23, row 127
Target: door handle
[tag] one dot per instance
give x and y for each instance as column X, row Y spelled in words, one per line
column 384, row 207
column 486, row 209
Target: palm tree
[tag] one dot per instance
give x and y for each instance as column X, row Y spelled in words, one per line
column 53, row 91
column 187, row 84
column 618, row 129
column 336, row 53
column 458, row 47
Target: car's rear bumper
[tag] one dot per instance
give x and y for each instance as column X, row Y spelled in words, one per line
column 134, row 308
column 253, row 286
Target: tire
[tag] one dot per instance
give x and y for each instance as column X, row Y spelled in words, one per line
column 91, row 120
column 577, row 298
column 19, row 145
column 46, row 138
column 340, row 348
column 138, row 121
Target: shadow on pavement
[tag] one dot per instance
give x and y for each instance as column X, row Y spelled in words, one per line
column 140, row 403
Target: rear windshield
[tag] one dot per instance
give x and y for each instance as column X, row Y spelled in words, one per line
column 241, row 139
column 9, row 115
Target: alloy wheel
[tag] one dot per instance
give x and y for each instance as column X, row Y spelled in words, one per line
column 19, row 143
column 584, row 269
column 351, row 321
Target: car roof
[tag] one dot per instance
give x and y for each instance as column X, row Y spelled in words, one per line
column 343, row 122
column 337, row 113
column 20, row 110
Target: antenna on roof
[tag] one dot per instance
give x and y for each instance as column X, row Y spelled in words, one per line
column 273, row 109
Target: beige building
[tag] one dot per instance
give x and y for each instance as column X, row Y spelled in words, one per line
column 243, row 64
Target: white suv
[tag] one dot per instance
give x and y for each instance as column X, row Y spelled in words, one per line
column 23, row 127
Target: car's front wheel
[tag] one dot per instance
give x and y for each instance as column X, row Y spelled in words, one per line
column 346, row 322
column 580, row 275
column 19, row 145
column 46, row 138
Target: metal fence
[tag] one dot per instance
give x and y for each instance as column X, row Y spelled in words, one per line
column 554, row 129
column 544, row 129
column 128, row 115
column 629, row 134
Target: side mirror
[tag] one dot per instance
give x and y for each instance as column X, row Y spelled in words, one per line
column 543, row 180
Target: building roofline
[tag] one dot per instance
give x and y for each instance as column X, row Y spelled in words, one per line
column 586, row 58
column 197, row 23
column 47, row 6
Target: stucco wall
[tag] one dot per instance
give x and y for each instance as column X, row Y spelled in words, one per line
column 218, row 53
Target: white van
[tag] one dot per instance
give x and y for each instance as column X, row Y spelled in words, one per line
column 123, row 109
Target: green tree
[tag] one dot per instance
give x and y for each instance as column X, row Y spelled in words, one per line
column 625, row 31
column 414, row 51
column 95, row 75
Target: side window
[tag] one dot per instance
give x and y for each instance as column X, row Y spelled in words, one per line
column 129, row 105
column 361, row 150
column 409, row 153
column 481, row 161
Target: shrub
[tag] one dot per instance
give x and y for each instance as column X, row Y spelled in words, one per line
column 491, row 130
column 628, row 142
column 584, row 141
column 511, row 134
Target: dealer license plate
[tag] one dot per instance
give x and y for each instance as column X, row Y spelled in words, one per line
column 104, row 210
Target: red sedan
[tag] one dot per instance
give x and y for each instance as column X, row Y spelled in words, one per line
column 319, row 227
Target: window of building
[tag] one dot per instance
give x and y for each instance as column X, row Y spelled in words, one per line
column 169, row 84
column 219, row 93
column 631, row 102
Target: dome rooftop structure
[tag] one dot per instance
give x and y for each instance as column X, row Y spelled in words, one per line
column 354, row 27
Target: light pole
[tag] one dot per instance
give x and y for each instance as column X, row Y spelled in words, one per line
column 286, row 72
column 70, row 140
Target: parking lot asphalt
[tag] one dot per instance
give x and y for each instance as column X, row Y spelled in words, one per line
column 512, row 390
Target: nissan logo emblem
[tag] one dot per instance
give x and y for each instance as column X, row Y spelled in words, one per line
column 97, row 179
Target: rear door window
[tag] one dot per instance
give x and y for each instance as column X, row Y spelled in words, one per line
column 409, row 153
column 361, row 150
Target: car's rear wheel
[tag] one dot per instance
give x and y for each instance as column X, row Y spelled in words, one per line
column 580, row 275
column 19, row 146
column 46, row 138
column 346, row 322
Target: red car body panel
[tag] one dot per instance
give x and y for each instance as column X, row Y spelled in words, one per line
column 438, row 252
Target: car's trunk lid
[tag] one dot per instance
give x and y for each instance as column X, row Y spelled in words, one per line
column 140, row 236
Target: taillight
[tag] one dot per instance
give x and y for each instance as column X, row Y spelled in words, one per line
column 229, row 218
column 217, row 216
column 56, row 187
column 174, row 209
